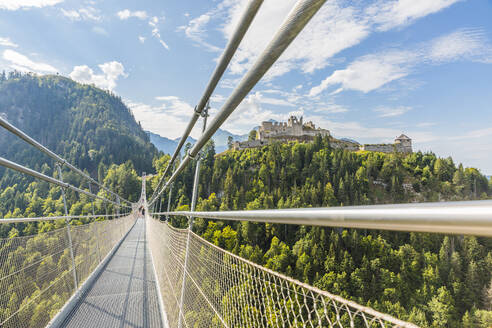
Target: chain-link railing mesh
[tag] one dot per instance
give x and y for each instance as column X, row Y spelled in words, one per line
column 224, row 290
column 36, row 272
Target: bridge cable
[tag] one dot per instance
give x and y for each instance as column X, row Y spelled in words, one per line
column 297, row 19
column 22, row 169
column 222, row 64
column 19, row 133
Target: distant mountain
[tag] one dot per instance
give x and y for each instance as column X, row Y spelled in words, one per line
column 164, row 144
column 220, row 137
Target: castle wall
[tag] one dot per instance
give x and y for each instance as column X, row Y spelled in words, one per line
column 345, row 145
column 240, row 145
column 387, row 148
column 384, row 148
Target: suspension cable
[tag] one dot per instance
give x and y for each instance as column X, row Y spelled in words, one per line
column 297, row 19
column 22, row 169
column 224, row 60
column 19, row 133
column 64, row 217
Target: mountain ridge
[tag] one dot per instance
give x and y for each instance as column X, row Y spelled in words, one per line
column 168, row 145
column 84, row 124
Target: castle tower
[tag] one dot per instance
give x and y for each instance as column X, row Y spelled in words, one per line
column 404, row 143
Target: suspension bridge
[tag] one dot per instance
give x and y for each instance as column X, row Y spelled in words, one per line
column 132, row 268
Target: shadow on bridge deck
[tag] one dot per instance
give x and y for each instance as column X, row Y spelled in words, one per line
column 125, row 293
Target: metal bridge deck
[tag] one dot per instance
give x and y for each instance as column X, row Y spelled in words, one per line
column 125, row 293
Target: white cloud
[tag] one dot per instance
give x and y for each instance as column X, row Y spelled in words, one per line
column 371, row 72
column 88, row 13
column 5, row 42
column 171, row 109
column 195, row 30
column 392, row 111
column 271, row 101
column 329, row 108
column 389, row 14
column 22, row 63
column 474, row 134
column 249, row 114
column 153, row 22
column 141, row 39
column 24, row 4
column 125, row 14
column 469, row 44
column 337, row 26
column 332, row 29
column 111, row 71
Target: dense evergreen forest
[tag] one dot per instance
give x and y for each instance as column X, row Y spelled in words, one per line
column 93, row 130
column 87, row 126
column 430, row 279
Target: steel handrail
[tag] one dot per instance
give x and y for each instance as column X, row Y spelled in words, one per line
column 65, row 217
column 463, row 218
column 19, row 133
column 222, row 64
column 41, row 176
column 297, row 19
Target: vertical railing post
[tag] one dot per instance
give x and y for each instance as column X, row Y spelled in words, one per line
column 169, row 201
column 92, row 202
column 97, row 227
column 69, row 233
column 190, row 220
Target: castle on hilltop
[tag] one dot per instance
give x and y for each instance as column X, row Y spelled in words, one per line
column 295, row 130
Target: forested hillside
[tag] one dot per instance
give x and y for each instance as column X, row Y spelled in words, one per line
column 86, row 125
column 430, row 279
column 89, row 127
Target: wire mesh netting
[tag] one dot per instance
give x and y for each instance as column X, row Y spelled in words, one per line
column 36, row 272
column 224, row 290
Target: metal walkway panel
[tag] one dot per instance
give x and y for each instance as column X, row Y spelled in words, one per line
column 125, row 293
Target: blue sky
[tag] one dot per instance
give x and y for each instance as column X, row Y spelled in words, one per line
column 367, row 70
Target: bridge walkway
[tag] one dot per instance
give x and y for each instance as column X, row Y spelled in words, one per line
column 125, row 292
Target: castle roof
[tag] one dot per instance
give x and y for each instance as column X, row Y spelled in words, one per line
column 403, row 137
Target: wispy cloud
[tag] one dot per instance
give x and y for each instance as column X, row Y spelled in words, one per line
column 126, row 13
column 392, row 111
column 87, row 13
column 6, row 42
column 271, row 100
column 22, row 63
column 111, row 72
column 386, row 15
column 370, row 72
column 153, row 22
column 336, row 27
column 141, row 39
column 467, row 44
column 26, row 4
column 474, row 134
column 195, row 30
